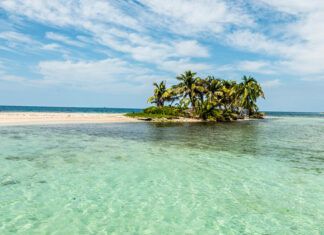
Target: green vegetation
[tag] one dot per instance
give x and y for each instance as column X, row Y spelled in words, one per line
column 161, row 94
column 160, row 112
column 208, row 99
column 149, row 115
column 168, row 110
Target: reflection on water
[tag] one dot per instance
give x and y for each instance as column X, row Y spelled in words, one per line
column 251, row 177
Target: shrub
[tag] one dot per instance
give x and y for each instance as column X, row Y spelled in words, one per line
column 168, row 110
column 148, row 115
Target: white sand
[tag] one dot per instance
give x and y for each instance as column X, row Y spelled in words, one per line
column 22, row 118
column 28, row 118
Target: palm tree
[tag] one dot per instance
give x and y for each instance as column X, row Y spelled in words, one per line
column 213, row 88
column 189, row 86
column 161, row 94
column 229, row 94
column 211, row 98
column 200, row 90
column 250, row 91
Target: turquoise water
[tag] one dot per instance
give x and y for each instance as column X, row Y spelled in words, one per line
column 251, row 177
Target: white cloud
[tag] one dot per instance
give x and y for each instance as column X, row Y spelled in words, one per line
column 271, row 83
column 255, row 42
column 11, row 78
column 250, row 66
column 189, row 48
column 85, row 39
column 108, row 74
column 69, row 12
column 15, row 41
column 167, row 33
column 293, row 6
column 64, row 39
column 313, row 78
column 4, row 76
column 256, row 66
column 295, row 57
column 51, row 46
column 160, row 52
column 6, row 49
column 298, row 44
column 106, row 23
column 262, row 67
column 13, row 38
column 190, row 17
column 179, row 66
column 82, row 71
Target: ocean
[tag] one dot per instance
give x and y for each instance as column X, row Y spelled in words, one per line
column 246, row 177
column 4, row 108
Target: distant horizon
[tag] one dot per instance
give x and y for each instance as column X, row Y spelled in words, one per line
column 106, row 107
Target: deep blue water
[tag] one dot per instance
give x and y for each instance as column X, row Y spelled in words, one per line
column 295, row 114
column 125, row 110
column 66, row 109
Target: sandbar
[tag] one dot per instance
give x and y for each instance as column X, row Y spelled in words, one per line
column 25, row 118
column 30, row 118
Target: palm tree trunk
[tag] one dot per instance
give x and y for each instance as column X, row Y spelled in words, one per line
column 202, row 98
column 192, row 102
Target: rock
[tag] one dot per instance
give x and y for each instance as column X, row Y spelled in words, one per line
column 9, row 182
column 14, row 158
column 145, row 119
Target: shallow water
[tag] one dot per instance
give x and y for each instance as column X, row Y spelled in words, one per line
column 253, row 177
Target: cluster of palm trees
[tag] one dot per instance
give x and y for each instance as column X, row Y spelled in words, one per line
column 210, row 95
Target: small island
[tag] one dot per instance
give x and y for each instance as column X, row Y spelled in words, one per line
column 208, row 99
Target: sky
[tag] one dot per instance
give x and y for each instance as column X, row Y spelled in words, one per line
column 97, row 53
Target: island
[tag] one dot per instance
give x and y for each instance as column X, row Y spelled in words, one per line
column 208, row 99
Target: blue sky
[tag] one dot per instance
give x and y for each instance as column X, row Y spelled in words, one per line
column 98, row 53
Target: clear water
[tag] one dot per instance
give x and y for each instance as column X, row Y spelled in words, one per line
column 294, row 114
column 254, row 177
column 4, row 108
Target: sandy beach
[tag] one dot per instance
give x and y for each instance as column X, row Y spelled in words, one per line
column 21, row 118
column 29, row 118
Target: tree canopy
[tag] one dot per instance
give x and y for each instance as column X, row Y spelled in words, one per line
column 210, row 97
